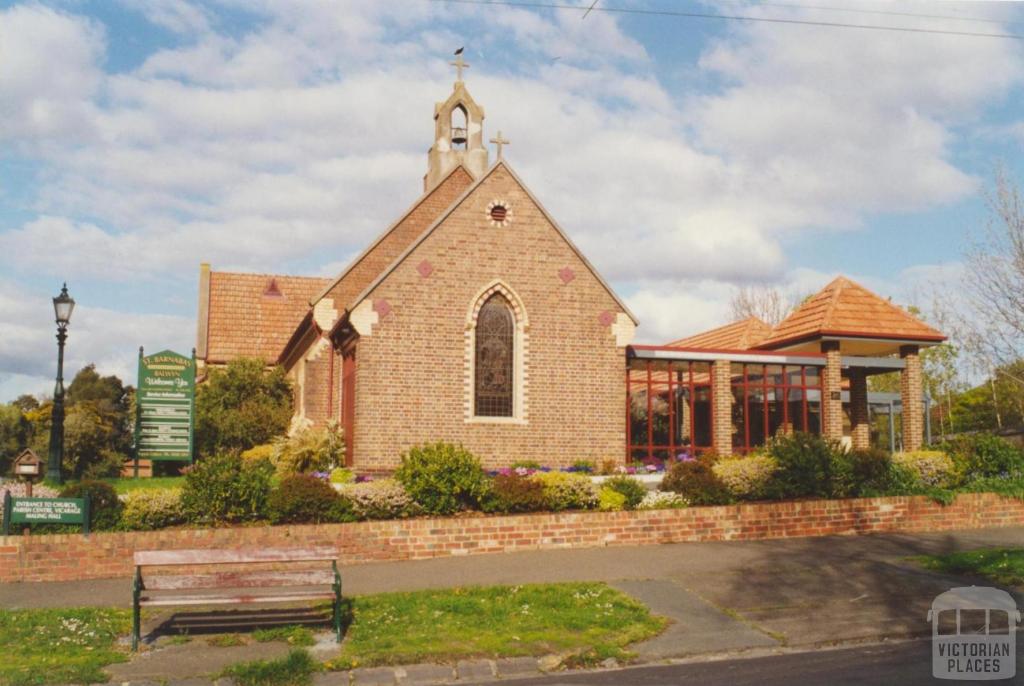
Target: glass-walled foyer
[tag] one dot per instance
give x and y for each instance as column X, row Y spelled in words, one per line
column 683, row 402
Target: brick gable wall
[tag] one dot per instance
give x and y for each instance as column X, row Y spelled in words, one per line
column 391, row 245
column 412, row 372
column 363, row 272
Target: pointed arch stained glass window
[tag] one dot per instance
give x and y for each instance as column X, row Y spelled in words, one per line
column 495, row 355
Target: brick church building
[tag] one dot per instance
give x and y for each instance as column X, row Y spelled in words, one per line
column 473, row 318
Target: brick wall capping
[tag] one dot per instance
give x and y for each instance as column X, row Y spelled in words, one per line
column 67, row 557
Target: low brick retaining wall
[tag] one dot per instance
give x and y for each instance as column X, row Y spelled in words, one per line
column 106, row 555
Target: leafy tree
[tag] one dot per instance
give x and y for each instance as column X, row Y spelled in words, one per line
column 940, row 377
column 97, row 425
column 241, row 405
column 39, row 427
column 93, row 441
column 14, row 433
column 26, row 402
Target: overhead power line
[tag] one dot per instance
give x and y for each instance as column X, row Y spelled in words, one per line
column 528, row 4
column 853, row 10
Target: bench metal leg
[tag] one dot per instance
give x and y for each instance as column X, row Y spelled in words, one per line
column 337, row 600
column 136, row 610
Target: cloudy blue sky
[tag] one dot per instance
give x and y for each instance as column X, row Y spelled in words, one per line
column 685, row 156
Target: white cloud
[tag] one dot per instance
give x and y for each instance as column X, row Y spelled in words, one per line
column 49, row 72
column 105, row 337
column 301, row 138
column 179, row 16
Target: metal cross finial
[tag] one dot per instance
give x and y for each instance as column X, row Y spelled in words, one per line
column 459, row 65
column 500, row 142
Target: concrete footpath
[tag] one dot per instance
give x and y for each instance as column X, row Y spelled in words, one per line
column 723, row 597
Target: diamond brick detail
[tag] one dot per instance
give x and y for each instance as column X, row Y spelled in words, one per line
column 425, row 268
column 566, row 274
column 606, row 318
column 382, row 307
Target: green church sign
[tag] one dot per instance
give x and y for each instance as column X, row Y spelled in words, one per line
column 165, row 407
column 45, row 511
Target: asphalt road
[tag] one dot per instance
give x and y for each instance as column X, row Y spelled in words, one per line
column 906, row 664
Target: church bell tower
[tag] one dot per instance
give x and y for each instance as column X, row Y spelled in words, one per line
column 458, row 134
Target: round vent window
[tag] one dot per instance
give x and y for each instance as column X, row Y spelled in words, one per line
column 499, row 212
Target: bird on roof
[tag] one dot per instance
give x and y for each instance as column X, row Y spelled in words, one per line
column 459, row 51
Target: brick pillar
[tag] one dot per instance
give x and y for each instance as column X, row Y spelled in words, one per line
column 859, row 416
column 911, row 393
column 721, row 403
column 831, row 392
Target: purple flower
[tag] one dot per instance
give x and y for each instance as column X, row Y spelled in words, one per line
column 363, row 478
column 322, row 475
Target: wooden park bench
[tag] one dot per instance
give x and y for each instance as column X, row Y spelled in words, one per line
column 230, row 587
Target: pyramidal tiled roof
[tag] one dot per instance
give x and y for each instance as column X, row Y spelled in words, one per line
column 845, row 308
column 254, row 315
column 740, row 335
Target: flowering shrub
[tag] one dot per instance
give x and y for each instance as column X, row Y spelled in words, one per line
column 514, row 493
column 983, row 455
column 584, row 466
column 342, row 475
column 865, row 473
column 264, row 451
column 309, row 450
column 564, row 491
column 808, row 465
column 746, row 477
column 149, row 509
column 104, row 505
column 929, row 467
column 697, row 482
column 662, row 500
column 608, row 500
column 226, row 489
column 631, row 489
column 306, row 499
column 18, row 489
column 381, row 499
column 442, row 478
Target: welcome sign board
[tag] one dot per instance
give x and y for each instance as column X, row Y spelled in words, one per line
column 165, row 407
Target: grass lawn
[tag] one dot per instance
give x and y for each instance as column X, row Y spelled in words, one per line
column 60, row 646
column 592, row 619
column 1003, row 565
column 123, row 486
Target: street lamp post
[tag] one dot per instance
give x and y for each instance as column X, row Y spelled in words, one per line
column 63, row 305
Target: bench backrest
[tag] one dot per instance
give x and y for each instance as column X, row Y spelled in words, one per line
column 148, row 558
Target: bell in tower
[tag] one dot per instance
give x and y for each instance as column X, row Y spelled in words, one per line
column 458, row 134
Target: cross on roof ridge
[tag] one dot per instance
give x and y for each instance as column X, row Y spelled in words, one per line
column 500, row 142
column 459, row 65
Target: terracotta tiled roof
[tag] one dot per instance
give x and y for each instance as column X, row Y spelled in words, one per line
column 254, row 315
column 845, row 308
column 741, row 335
